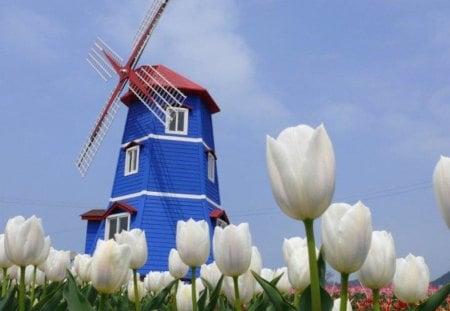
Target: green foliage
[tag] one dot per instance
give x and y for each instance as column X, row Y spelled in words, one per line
column 9, row 302
column 274, row 296
column 160, row 300
column 305, row 300
column 76, row 301
column 434, row 301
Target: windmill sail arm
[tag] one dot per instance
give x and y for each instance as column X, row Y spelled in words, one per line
column 99, row 130
column 145, row 31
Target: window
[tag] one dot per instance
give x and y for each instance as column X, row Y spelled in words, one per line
column 131, row 160
column 178, row 121
column 221, row 223
column 211, row 166
column 115, row 223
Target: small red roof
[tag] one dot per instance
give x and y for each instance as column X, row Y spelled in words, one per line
column 219, row 213
column 183, row 84
column 101, row 214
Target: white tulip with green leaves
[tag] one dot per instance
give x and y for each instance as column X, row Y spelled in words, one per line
column 302, row 172
column 210, row 273
column 56, row 265
column 411, row 279
column 441, row 185
column 82, row 265
column 177, row 267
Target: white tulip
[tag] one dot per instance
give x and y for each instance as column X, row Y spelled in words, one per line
column 193, row 242
column 131, row 293
column 4, row 260
column 379, row 267
column 298, row 269
column 246, row 285
column 152, row 281
column 110, row 266
column 137, row 242
column 25, row 241
column 337, row 304
column 302, row 173
column 56, row 265
column 82, row 265
column 177, row 267
column 283, row 284
column 441, row 185
column 210, row 273
column 232, row 247
column 256, row 261
column 184, row 295
column 266, row 274
column 346, row 236
column 411, row 279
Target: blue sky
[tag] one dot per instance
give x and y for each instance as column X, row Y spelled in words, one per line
column 375, row 73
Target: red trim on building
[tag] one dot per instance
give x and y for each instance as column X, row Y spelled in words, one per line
column 101, row 214
column 219, row 213
column 183, row 84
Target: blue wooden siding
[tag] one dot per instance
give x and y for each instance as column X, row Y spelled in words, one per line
column 165, row 166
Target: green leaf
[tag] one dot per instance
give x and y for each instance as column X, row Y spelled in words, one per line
column 201, row 302
column 215, row 294
column 51, row 299
column 75, row 300
column 305, row 300
column 157, row 302
column 9, row 302
column 434, row 301
column 273, row 294
column 322, row 267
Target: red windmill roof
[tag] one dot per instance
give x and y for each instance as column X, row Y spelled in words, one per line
column 183, row 84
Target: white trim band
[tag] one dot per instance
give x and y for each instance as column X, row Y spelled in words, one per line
column 166, row 194
column 168, row 137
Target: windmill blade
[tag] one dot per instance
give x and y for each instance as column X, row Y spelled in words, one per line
column 155, row 92
column 145, row 30
column 98, row 60
column 100, row 129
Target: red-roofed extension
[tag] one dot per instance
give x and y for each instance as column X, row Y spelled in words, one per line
column 101, row 214
column 219, row 213
column 183, row 84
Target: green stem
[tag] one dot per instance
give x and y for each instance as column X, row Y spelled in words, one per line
column 4, row 281
column 22, row 289
column 344, row 290
column 193, row 290
column 137, row 300
column 376, row 299
column 296, row 298
column 33, row 285
column 44, row 290
column 174, row 305
column 101, row 307
column 236, row 293
column 313, row 269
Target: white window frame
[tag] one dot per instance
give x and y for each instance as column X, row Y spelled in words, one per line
column 117, row 217
column 130, row 167
column 211, row 167
column 177, row 111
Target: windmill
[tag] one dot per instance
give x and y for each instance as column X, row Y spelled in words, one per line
column 166, row 169
column 150, row 87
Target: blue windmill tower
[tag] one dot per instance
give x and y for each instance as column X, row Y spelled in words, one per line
column 166, row 167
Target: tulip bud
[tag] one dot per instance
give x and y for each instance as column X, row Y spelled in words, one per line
column 379, row 267
column 152, row 281
column 130, row 291
column 256, row 261
column 246, row 285
column 302, row 171
column 232, row 247
column 193, row 242
column 441, row 185
column 210, row 273
column 25, row 241
column 137, row 242
column 292, row 244
column 411, row 279
column 82, row 265
column 346, row 236
column 4, row 261
column 283, row 284
column 298, row 269
column 337, row 304
column 110, row 266
column 56, row 265
column 165, row 279
column 184, row 295
column 177, row 267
